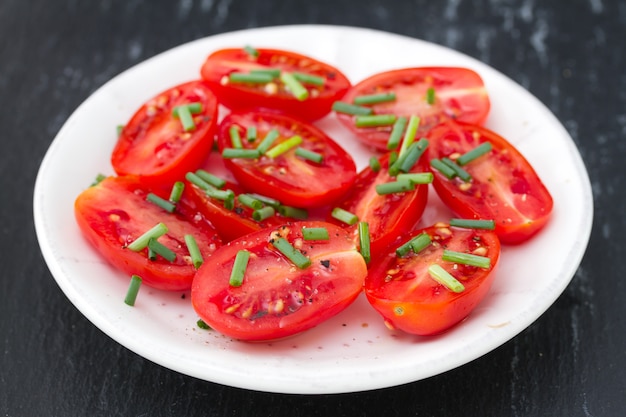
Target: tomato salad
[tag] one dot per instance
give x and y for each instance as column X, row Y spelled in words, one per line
column 292, row 234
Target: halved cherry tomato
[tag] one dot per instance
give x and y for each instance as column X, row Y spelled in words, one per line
column 154, row 145
column 290, row 179
column 459, row 93
column 387, row 215
column 504, row 186
column 401, row 289
column 114, row 213
column 277, row 298
column 273, row 95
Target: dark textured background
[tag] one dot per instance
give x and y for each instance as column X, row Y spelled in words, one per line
column 570, row 54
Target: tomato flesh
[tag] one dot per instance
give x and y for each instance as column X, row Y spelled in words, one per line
column 288, row 178
column 409, row 299
column 460, row 94
column 115, row 212
column 274, row 95
column 278, row 299
column 154, row 145
column 504, row 186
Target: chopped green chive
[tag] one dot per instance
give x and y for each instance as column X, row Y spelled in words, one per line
column 267, row 141
column 417, row 244
column 293, row 212
column 443, row 169
column 293, row 254
column 161, row 202
column 430, row 96
column 249, row 78
column 229, row 202
column 364, row 241
column 444, row 278
column 308, row 78
column 407, row 160
column 119, row 130
column 309, row 155
column 201, row 324
column 99, row 178
column 197, row 181
column 294, row 86
column 344, row 216
column 374, row 98
column 347, row 108
column 231, row 153
column 152, row 255
column 251, row 51
column 473, row 224
column 466, row 259
column 239, row 268
column 394, row 187
column 409, row 134
column 266, row 200
column 374, row 164
column 194, row 108
column 393, row 157
column 133, row 290
column 263, row 213
column 478, row 151
column 315, row 233
column 285, row 146
column 272, row 72
column 396, row 133
column 251, row 133
column 194, row 251
column 375, row 120
column 185, row 117
column 142, row 241
column 177, row 191
column 235, row 137
column 249, row 201
column 417, row 177
column 220, row 194
column 214, row 180
column 162, row 250
column 460, row 172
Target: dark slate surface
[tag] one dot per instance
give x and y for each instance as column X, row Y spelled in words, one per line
column 571, row 55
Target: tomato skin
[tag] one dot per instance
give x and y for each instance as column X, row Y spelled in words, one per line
column 240, row 97
column 288, row 178
column 388, row 215
column 460, row 94
column 154, row 145
column 115, row 212
column 277, row 299
column 504, row 185
column 402, row 291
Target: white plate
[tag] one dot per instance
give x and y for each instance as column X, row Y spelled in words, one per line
column 353, row 351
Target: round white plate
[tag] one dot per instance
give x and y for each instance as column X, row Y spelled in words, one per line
column 353, row 351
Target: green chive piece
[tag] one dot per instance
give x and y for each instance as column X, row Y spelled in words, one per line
column 430, row 96
column 417, row 177
column 375, row 120
column 194, row 108
column 466, row 259
column 162, row 250
column 161, row 202
column 133, row 290
column 251, row 51
column 214, row 180
column 239, row 268
column 249, row 78
column 273, row 72
column 186, row 119
column 460, row 172
column 364, row 241
column 229, row 202
column 420, row 242
column 285, row 146
column 309, row 155
column 315, row 233
column 293, row 254
column 265, row 200
column 394, row 187
column 268, row 141
column 220, row 194
column 478, row 151
column 251, row 133
column 231, row 153
column 309, row 78
column 444, row 278
column 443, row 169
column 142, row 241
column 396, row 133
column 374, row 98
column 409, row 134
column 294, row 86
column 293, row 212
column 99, row 178
column 407, row 160
column 177, row 191
column 197, row 181
column 344, row 216
column 347, row 108
column 119, row 130
column 202, row 324
column 403, row 249
column 393, row 157
column 194, row 251
column 473, row 224
column 263, row 213
column 374, row 164
column 249, row 201
column 152, row 255
column 235, row 137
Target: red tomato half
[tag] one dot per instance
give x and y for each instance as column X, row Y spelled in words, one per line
column 154, row 145
column 292, row 180
column 459, row 93
column 403, row 292
column 504, row 186
column 273, row 95
column 115, row 212
column 387, row 215
column 278, row 299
